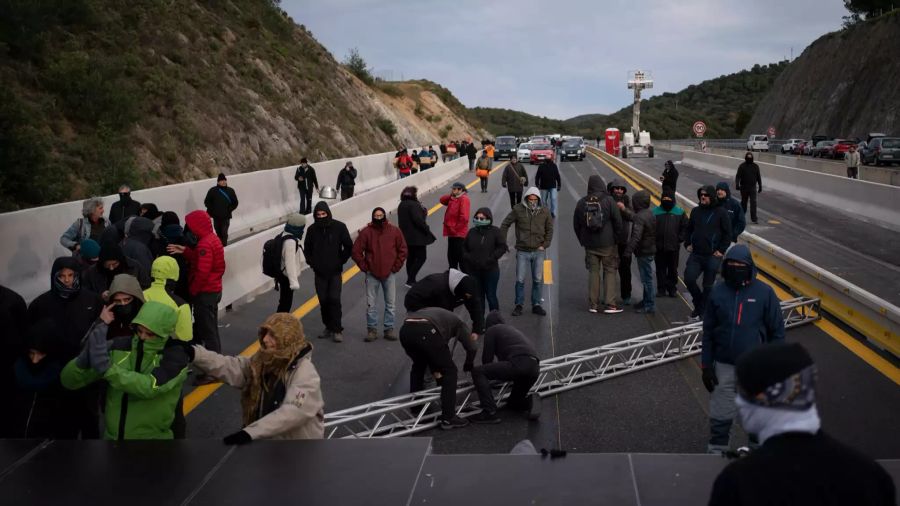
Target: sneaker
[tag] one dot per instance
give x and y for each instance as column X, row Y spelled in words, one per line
column 642, row 310
column 518, row 310
column 371, row 335
column 538, row 310
column 612, row 309
column 695, row 317
column 389, row 335
column 485, row 417
column 626, row 301
column 454, row 423
column 325, row 334
column 534, row 406
column 593, row 309
column 337, row 337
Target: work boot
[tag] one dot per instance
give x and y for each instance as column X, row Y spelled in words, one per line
column 534, row 406
column 337, row 337
column 389, row 335
column 454, row 423
column 485, row 417
column 371, row 335
column 518, row 310
column 538, row 310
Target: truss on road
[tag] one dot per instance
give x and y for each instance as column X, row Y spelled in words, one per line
column 407, row 414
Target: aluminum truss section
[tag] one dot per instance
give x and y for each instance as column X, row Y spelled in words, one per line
column 416, row 412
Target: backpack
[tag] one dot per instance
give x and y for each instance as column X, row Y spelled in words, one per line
column 594, row 217
column 271, row 257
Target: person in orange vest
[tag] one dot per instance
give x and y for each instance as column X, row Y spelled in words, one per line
column 489, row 149
column 483, row 170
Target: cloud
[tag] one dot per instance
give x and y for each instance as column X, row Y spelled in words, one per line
column 566, row 57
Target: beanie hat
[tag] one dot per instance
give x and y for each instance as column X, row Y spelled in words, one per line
column 89, row 249
column 459, row 185
column 169, row 218
column 221, row 177
column 296, row 220
column 779, row 375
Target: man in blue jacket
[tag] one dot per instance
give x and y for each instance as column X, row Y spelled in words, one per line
column 733, row 208
column 741, row 314
column 707, row 237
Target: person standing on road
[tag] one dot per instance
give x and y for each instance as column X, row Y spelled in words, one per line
column 748, row 181
column 483, row 170
column 797, row 463
column 220, row 202
column 305, row 175
column 598, row 223
column 642, row 244
column 623, row 201
column 471, row 154
column 669, row 177
column 379, row 252
column 124, row 207
column 534, row 231
column 515, row 180
column 346, row 181
column 517, row 361
column 741, row 314
column 425, row 338
column 288, row 278
column 482, row 251
column 327, row 248
column 733, row 208
column 89, row 226
column 852, row 159
column 671, row 224
column 412, row 218
column 547, row 180
column 456, row 222
column 707, row 237
column 489, row 150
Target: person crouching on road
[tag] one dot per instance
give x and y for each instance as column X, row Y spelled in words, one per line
column 517, row 361
column 742, row 313
column 144, row 373
column 482, row 251
column 448, row 290
column 425, row 336
column 281, row 395
column 483, row 170
column 534, row 231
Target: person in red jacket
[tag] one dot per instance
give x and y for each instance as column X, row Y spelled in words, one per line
column 380, row 252
column 206, row 264
column 404, row 163
column 456, row 222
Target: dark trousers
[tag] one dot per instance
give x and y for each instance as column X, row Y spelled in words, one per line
column 751, row 196
column 206, row 320
column 471, row 164
column 522, row 371
column 414, row 261
column 487, row 283
column 515, row 198
column 853, row 172
column 484, row 182
column 667, row 272
column 305, row 201
column 285, row 294
column 347, row 192
column 428, row 350
column 328, row 289
column 624, row 273
column 455, row 251
column 708, row 266
column 179, row 424
column 221, row 227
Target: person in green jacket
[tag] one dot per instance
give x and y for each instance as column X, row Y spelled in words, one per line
column 165, row 276
column 144, row 373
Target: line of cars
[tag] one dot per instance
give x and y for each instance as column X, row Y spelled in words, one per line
column 877, row 149
column 544, row 147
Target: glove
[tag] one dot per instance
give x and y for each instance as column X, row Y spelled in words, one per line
column 98, row 353
column 187, row 347
column 709, row 379
column 238, row 438
column 760, row 190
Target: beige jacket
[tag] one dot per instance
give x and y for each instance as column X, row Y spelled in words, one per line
column 301, row 414
column 852, row 159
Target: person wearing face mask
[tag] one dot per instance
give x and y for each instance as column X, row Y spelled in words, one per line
column 379, row 252
column 346, row 181
column 289, row 257
column 88, row 253
column 484, row 247
column 733, row 208
column 412, row 218
column 741, row 314
column 448, row 290
column 112, row 262
column 534, row 231
column 124, row 207
column 91, row 225
column 171, row 232
column 124, row 301
column 671, row 224
column 305, row 176
column 748, row 181
column 707, row 237
column 669, row 177
column 619, row 193
column 327, row 248
column 798, row 463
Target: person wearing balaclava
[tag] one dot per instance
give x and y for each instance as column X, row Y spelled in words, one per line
column 448, row 290
column 707, row 237
column 412, row 218
column 671, row 224
column 125, row 300
column 748, row 181
column 669, row 177
column 346, row 181
column 484, row 247
column 111, row 262
column 290, row 262
column 742, row 313
column 124, row 207
column 733, row 208
column 534, row 231
column 281, row 394
column 171, row 232
column 327, row 248
column 798, row 463
column 379, row 252
column 88, row 253
column 516, row 361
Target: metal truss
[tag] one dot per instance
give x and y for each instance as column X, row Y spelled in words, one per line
column 407, row 414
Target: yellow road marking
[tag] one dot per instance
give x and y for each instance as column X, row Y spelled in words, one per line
column 201, row 393
column 774, row 222
column 548, row 272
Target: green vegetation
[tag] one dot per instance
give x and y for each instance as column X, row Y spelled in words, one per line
column 389, row 88
column 387, row 126
column 867, row 9
column 358, row 67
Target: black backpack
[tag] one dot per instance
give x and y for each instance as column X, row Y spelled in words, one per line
column 594, row 217
column 271, row 257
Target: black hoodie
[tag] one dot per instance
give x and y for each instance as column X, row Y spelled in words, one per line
column 412, row 220
column 138, row 235
column 709, row 228
column 123, row 208
column 97, row 278
column 483, row 246
column 327, row 245
column 643, row 233
column 612, row 222
column 504, row 341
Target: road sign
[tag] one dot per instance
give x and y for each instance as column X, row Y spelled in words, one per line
column 699, row 128
column 771, row 131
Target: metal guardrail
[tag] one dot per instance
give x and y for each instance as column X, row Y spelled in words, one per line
column 408, row 414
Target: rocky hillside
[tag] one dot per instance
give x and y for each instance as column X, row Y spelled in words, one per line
column 844, row 84
column 97, row 92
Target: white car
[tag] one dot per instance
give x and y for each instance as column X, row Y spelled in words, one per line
column 790, row 145
column 524, row 151
column 758, row 143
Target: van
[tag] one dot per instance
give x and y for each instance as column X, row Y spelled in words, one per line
column 758, row 143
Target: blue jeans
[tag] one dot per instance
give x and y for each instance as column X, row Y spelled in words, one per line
column 488, row 281
column 534, row 260
column 389, row 288
column 645, row 268
column 402, row 175
column 548, row 200
column 708, row 265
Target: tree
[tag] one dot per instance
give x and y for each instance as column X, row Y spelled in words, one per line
column 357, row 65
column 863, row 9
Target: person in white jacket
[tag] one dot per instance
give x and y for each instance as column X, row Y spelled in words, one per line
column 290, row 261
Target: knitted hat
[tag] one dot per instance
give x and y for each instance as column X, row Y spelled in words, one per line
column 296, row 220
column 89, row 249
column 459, row 185
column 221, row 177
column 779, row 375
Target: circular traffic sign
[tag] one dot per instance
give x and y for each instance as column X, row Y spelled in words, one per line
column 699, row 128
column 771, row 131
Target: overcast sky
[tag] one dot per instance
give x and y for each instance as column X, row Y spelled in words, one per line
column 563, row 58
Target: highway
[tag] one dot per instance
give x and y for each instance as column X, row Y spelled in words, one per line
column 660, row 410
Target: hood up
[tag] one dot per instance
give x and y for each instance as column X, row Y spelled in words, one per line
column 596, row 185
column 641, row 200
column 740, row 253
column 199, row 223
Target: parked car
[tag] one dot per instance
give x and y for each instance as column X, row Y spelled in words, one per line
column 790, row 145
column 823, row 149
column 842, row 146
column 541, row 152
column 505, row 147
column 800, row 148
column 573, row 147
column 881, row 151
column 758, row 143
column 524, row 151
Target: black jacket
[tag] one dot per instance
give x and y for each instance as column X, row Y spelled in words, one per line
column 800, row 469
column 449, row 326
column 612, row 225
column 643, row 233
column 670, row 228
column 434, row 291
column 220, row 201
column 136, row 246
column 471, row 151
column 708, row 229
column 512, row 175
column 547, row 176
column 306, row 178
column 346, row 178
column 97, row 278
column 328, row 245
column 670, row 177
column 504, row 342
column 748, row 177
column 483, row 247
column 124, row 208
column 411, row 218
column 12, row 339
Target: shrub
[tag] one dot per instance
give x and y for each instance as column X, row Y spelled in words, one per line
column 387, row 126
column 358, row 67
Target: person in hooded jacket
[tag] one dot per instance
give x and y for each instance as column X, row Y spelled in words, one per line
column 748, row 181
column 456, row 222
column 671, row 224
column 90, row 226
column 642, row 244
column 707, row 237
column 516, row 361
column 448, row 290
column 220, row 202
column 483, row 170
column 327, row 248
column 124, row 207
column 742, row 313
column 669, row 177
column 111, row 262
column 733, row 208
column 165, row 274
column 412, row 220
column 471, row 153
column 138, row 238
column 125, row 301
column 379, row 252
column 515, row 180
column 12, row 343
column 547, row 179
column 152, row 213
column 305, row 176
column 619, row 193
column 289, row 280
column 346, row 181
column 171, row 232
column 281, row 393
column 482, row 251
column 601, row 257
column 88, row 253
column 534, row 231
